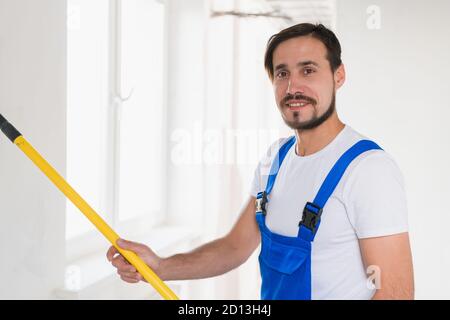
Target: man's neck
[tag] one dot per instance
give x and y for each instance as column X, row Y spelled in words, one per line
column 314, row 140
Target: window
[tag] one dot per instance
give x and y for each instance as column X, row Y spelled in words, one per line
column 115, row 116
column 140, row 78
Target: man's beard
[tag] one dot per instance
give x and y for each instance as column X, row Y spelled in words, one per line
column 315, row 121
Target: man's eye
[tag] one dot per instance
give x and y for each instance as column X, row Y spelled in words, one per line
column 281, row 74
column 308, row 71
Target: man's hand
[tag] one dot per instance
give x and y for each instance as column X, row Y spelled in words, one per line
column 390, row 257
column 126, row 271
column 209, row 260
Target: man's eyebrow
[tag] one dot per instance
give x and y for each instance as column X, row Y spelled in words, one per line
column 280, row 66
column 300, row 64
column 306, row 63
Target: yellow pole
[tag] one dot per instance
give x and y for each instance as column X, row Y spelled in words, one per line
column 84, row 207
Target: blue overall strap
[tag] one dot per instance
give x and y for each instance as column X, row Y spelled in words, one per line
column 276, row 164
column 261, row 198
column 312, row 211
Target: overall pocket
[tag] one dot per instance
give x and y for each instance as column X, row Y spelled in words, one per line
column 282, row 257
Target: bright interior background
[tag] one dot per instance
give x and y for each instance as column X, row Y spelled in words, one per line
column 158, row 111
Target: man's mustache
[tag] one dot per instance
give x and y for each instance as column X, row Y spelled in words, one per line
column 298, row 96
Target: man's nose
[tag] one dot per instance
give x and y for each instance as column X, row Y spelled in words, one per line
column 295, row 85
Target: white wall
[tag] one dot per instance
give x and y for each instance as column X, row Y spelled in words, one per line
column 32, row 97
column 212, row 99
column 397, row 92
column 192, row 187
column 185, row 33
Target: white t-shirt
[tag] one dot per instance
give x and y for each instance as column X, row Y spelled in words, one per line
column 369, row 201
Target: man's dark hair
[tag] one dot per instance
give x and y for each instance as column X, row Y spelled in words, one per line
column 317, row 31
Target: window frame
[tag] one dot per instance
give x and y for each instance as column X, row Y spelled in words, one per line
column 92, row 241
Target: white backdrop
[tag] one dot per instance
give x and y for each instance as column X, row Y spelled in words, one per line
column 397, row 93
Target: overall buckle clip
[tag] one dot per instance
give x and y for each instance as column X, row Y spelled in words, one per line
column 311, row 216
column 261, row 200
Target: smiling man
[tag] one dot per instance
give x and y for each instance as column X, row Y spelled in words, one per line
column 327, row 205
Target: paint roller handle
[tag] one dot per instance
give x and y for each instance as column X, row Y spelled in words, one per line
column 16, row 137
column 8, row 129
column 144, row 252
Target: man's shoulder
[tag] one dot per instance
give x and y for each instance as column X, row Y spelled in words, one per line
column 373, row 165
column 372, row 171
column 375, row 158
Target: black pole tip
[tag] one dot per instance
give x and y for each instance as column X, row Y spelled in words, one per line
column 2, row 120
column 8, row 129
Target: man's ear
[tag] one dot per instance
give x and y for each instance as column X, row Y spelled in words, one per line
column 339, row 76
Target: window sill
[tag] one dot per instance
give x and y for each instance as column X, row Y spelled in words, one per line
column 93, row 277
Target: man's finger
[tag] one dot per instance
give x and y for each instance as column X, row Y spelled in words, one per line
column 111, row 252
column 131, row 275
column 119, row 262
column 128, row 268
column 130, row 280
column 130, row 245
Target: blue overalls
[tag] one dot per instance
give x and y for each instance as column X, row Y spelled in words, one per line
column 285, row 262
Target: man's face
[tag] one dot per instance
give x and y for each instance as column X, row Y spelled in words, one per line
column 304, row 83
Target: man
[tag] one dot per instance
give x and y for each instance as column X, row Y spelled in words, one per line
column 330, row 205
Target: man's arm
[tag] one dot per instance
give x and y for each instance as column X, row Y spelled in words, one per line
column 211, row 259
column 389, row 262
